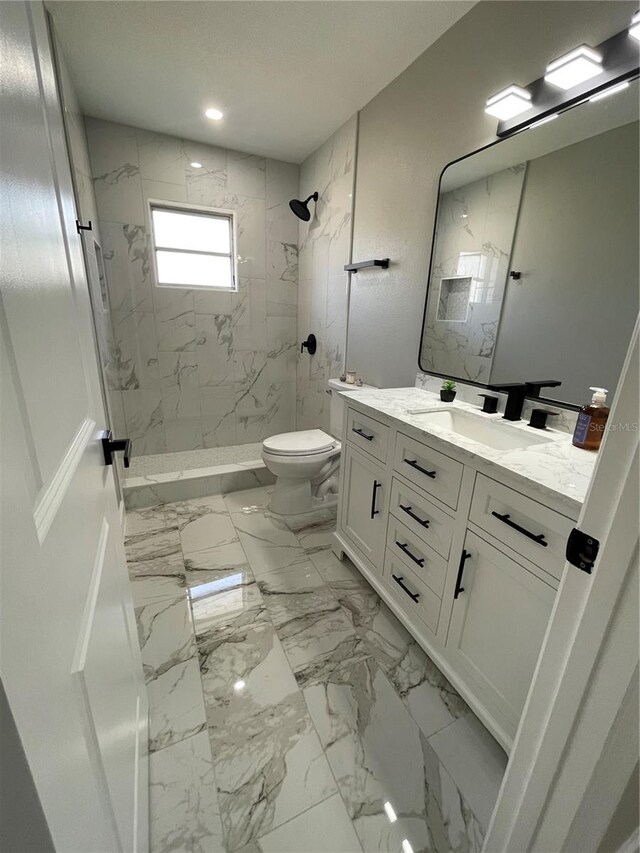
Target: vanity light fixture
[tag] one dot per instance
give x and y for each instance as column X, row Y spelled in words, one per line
column 543, row 121
column 213, row 114
column 508, row 103
column 195, row 165
column 634, row 29
column 573, row 68
column 619, row 88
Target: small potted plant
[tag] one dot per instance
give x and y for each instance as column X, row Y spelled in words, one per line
column 448, row 391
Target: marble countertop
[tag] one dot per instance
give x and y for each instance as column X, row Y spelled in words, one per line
column 555, row 473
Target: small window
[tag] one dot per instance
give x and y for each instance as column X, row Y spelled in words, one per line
column 192, row 247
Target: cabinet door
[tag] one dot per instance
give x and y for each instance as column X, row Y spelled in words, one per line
column 364, row 505
column 497, row 626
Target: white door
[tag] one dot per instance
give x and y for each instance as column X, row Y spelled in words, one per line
column 70, row 661
column 497, row 627
column 364, row 514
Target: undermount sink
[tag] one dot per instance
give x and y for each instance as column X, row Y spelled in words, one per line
column 491, row 433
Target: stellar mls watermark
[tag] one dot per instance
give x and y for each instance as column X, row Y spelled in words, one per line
column 621, row 426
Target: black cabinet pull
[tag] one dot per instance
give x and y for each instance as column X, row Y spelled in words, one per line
column 537, row 537
column 422, row 470
column 110, row 445
column 414, row 596
column 463, row 559
column 362, row 434
column 374, row 492
column 403, row 547
column 424, row 522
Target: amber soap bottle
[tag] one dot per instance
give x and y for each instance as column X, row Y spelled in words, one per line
column 591, row 421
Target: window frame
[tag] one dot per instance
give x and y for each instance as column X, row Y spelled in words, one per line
column 196, row 210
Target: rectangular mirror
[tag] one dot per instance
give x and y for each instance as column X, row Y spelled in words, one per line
column 534, row 267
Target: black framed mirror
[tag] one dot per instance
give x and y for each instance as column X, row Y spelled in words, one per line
column 534, row 262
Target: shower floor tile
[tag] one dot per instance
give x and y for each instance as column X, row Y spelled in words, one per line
column 319, row 707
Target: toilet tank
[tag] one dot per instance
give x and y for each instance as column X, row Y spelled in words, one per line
column 338, row 408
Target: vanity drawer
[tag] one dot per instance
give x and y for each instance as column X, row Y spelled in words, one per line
column 429, row 522
column 423, row 561
column 427, row 468
column 368, row 434
column 411, row 592
column 531, row 529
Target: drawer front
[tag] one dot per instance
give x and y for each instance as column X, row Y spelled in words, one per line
column 423, row 561
column 368, row 434
column 426, row 520
column 411, row 593
column 430, row 470
column 531, row 529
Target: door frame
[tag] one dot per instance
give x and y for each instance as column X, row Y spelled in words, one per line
column 579, row 711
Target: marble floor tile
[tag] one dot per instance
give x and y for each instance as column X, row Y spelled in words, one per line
column 475, row 762
column 156, row 552
column 317, row 643
column 150, row 589
column 340, row 575
column 226, row 602
column 149, row 520
column 432, row 701
column 204, row 523
column 269, row 768
column 183, row 802
column 176, row 705
column 244, row 671
column 324, row 828
column 249, row 500
column 314, row 530
column 375, row 751
column 267, row 542
column 218, row 560
column 294, row 592
column 166, row 635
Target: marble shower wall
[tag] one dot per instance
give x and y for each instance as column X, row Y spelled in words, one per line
column 473, row 241
column 325, row 247
column 197, row 368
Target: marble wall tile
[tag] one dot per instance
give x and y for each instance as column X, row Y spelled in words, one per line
column 130, row 166
column 324, row 248
column 183, row 806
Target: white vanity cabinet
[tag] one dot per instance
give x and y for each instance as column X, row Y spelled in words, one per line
column 363, row 517
column 469, row 564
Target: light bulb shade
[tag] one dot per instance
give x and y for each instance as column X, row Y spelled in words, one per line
column 508, row 103
column 573, row 68
column 634, row 29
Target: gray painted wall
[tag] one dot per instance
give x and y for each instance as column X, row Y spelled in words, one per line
column 431, row 114
column 571, row 315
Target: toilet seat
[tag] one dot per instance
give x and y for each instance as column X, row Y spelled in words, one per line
column 307, row 442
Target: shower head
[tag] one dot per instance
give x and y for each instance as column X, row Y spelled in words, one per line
column 301, row 208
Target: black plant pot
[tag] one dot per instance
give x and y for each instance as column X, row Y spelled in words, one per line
column 447, row 396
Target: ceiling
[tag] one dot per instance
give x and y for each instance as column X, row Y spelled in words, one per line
column 286, row 74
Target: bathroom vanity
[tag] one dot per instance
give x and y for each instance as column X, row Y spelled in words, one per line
column 459, row 520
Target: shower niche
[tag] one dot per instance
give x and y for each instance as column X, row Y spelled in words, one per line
column 455, row 293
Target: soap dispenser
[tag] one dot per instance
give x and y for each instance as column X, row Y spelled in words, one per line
column 591, row 421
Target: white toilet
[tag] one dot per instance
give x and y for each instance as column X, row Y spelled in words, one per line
column 306, row 462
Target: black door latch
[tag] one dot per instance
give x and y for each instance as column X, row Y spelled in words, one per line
column 582, row 550
column 111, row 444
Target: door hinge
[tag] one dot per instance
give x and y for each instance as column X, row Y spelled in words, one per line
column 80, row 228
column 582, row 550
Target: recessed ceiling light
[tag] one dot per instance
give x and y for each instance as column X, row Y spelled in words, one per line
column 619, row 88
column 195, row 165
column 634, row 29
column 406, row 847
column 239, row 685
column 390, row 812
column 575, row 67
column 213, row 114
column 508, row 103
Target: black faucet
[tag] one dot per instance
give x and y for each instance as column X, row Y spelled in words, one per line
column 516, row 393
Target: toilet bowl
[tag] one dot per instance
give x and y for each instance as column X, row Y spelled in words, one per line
column 305, row 464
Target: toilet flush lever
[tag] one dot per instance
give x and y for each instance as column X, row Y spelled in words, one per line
column 311, row 344
column 111, row 445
